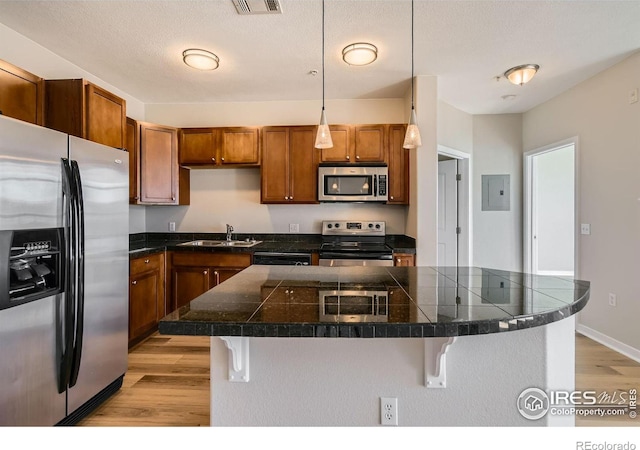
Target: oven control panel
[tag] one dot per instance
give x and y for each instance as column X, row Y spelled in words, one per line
column 353, row 228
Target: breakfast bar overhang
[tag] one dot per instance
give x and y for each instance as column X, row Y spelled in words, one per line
column 320, row 346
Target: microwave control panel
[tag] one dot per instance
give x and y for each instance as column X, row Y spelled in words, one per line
column 382, row 186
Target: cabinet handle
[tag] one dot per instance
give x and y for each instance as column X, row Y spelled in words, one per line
column 221, row 159
column 391, row 197
column 286, row 198
column 348, row 157
column 291, row 198
column 134, row 282
column 146, row 261
column 205, row 272
column 217, row 277
column 213, row 159
column 357, row 157
column 173, row 199
column 136, row 198
column 398, row 260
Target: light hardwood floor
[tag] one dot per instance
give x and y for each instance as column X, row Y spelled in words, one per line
column 167, row 383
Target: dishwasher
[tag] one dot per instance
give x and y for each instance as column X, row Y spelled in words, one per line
column 282, row 258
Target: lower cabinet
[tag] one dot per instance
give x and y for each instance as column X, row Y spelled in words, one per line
column 146, row 295
column 193, row 274
column 404, row 259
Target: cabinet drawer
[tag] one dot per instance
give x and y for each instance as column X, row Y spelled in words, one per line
column 212, row 259
column 146, row 263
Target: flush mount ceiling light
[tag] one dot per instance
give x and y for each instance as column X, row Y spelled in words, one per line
column 200, row 59
column 359, row 54
column 521, row 74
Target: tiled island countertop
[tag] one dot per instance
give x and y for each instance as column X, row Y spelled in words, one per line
column 324, row 346
column 296, row 301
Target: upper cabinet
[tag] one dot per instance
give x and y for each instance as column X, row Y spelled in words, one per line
column 155, row 176
column 82, row 109
column 21, row 94
column 228, row 146
column 398, row 162
column 356, row 144
column 289, row 171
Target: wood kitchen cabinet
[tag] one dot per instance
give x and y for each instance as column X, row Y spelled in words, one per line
column 21, row 94
column 289, row 303
column 82, row 109
column 216, row 147
column 356, row 144
column 398, row 165
column 404, row 259
column 289, row 170
column 146, row 295
column 155, row 177
column 193, row 274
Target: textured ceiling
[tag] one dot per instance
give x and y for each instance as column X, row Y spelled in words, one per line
column 137, row 46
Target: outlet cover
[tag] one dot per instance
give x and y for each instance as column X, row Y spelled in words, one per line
column 613, row 299
column 172, row 226
column 633, row 95
column 585, row 228
column 388, row 411
column 294, row 228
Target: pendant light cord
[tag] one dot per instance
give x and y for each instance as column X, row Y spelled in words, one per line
column 412, row 82
column 323, row 55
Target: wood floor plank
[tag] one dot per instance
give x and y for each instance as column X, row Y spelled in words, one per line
column 167, row 384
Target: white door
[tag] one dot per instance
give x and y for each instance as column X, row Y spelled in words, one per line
column 447, row 213
column 552, row 211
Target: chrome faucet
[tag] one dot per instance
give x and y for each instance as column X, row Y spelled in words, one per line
column 229, row 231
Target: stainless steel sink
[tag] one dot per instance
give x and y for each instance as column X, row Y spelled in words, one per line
column 209, row 243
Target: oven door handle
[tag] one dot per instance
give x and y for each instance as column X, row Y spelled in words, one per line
column 356, row 255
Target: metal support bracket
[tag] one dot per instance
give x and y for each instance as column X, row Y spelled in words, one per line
column 435, row 361
column 238, row 358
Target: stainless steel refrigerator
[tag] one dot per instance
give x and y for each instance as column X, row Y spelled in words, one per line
column 64, row 265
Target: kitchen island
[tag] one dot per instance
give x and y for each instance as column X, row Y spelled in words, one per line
column 322, row 345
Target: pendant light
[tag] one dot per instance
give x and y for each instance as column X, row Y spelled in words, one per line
column 323, row 137
column 412, row 137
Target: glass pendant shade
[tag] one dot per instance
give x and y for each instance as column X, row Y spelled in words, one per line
column 412, row 136
column 323, row 137
column 521, row 74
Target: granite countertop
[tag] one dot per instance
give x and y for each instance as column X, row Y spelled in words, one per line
column 297, row 301
column 144, row 244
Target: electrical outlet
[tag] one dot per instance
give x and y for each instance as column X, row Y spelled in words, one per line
column 388, row 411
column 633, row 95
column 613, row 299
column 172, row 226
column 294, row 228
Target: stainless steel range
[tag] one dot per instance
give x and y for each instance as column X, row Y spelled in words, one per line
column 354, row 243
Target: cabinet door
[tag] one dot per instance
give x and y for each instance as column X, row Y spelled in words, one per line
column 189, row 283
column 398, row 167
column 370, row 143
column 105, row 117
column 21, row 94
column 303, row 165
column 144, row 298
column 133, row 147
column 218, row 275
column 403, row 259
column 239, row 145
column 158, row 164
column 198, row 146
column 274, row 172
column 343, row 144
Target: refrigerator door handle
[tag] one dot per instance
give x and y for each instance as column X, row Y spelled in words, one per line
column 68, row 322
column 79, row 279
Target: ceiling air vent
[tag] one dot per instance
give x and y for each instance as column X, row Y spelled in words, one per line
column 246, row 7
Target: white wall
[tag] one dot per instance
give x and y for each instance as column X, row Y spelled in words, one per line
column 455, row 128
column 608, row 130
column 497, row 150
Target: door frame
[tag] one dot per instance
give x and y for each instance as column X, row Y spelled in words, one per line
column 528, row 212
column 465, row 247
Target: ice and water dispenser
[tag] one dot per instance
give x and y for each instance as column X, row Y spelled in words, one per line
column 31, row 265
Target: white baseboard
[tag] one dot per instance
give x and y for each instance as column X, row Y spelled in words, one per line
column 607, row 341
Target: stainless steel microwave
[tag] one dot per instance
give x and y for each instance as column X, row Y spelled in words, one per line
column 352, row 183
